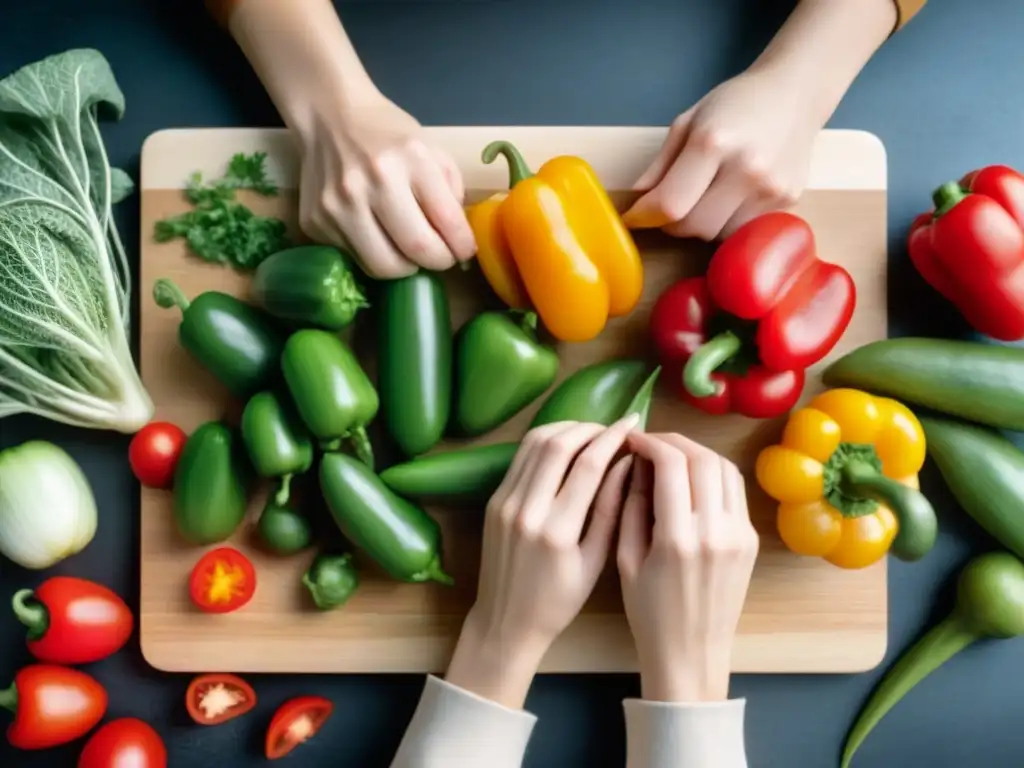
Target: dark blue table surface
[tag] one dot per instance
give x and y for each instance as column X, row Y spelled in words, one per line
column 944, row 95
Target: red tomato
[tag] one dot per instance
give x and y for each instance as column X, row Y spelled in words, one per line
column 154, row 451
column 214, row 699
column 222, row 581
column 73, row 621
column 296, row 721
column 124, row 743
column 52, row 705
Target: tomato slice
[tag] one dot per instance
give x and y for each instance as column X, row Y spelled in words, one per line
column 153, row 453
column 217, row 698
column 222, row 581
column 296, row 721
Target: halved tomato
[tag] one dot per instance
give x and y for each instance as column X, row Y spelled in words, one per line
column 222, row 581
column 296, row 721
column 217, row 698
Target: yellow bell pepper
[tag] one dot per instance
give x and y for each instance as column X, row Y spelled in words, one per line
column 556, row 243
column 845, row 476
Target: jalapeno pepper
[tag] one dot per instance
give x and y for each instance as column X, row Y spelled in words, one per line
column 237, row 343
column 599, row 393
column 331, row 391
column 309, row 285
column 210, row 484
column 500, row 369
column 400, row 536
column 276, row 441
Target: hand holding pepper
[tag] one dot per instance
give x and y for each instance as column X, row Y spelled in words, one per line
column 538, row 566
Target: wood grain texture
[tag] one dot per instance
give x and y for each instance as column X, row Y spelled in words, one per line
column 802, row 615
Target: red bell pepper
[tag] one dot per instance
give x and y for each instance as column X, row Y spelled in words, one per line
column 743, row 335
column 52, row 705
column 971, row 249
column 73, row 621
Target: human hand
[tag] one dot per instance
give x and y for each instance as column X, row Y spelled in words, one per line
column 372, row 180
column 742, row 150
column 686, row 553
column 541, row 558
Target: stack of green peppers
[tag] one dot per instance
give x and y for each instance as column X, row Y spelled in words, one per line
column 305, row 389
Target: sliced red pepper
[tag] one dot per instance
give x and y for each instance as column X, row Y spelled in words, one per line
column 52, row 705
column 216, row 698
column 295, row 722
column 767, row 309
column 971, row 249
column 73, row 621
column 222, row 581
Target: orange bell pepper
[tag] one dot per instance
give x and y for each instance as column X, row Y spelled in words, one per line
column 845, row 477
column 555, row 243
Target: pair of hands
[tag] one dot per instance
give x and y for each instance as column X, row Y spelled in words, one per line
column 685, row 552
column 376, row 182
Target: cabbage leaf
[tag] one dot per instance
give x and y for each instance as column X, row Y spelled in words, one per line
column 65, row 284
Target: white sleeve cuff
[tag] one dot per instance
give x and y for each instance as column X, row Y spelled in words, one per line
column 453, row 728
column 665, row 735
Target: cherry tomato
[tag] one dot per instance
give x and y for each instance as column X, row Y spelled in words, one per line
column 154, row 451
column 124, row 743
column 217, row 698
column 52, row 705
column 296, row 721
column 222, row 581
column 73, row 621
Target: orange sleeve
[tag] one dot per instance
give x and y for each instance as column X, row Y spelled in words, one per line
column 906, row 10
column 221, row 10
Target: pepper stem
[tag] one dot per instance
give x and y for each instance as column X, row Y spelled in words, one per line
column 166, row 294
column 525, row 319
column 946, row 196
column 641, row 402
column 31, row 613
column 940, row 644
column 9, row 698
column 361, row 445
column 436, row 572
column 704, row 362
column 918, row 524
column 517, row 167
column 284, row 490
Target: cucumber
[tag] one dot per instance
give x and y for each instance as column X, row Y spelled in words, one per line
column 975, row 381
column 984, row 472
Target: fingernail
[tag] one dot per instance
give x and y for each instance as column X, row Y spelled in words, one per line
column 628, row 422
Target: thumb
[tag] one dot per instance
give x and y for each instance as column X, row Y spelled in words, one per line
column 670, row 149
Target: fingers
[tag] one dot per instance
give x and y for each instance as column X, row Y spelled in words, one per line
column 375, row 251
column 444, row 211
column 635, row 523
column 734, row 491
column 676, row 194
column 399, row 212
column 671, row 499
column 705, row 473
column 533, row 440
column 667, row 154
column 597, row 542
column 711, row 213
column 588, row 472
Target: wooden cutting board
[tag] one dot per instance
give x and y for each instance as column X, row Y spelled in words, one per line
column 802, row 615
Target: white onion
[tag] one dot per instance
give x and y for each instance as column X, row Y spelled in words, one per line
column 47, row 510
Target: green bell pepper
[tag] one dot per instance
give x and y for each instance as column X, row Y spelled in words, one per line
column 500, row 368
column 414, row 360
column 403, row 539
column 276, row 441
column 331, row 391
column 309, row 285
column 236, row 342
column 210, row 484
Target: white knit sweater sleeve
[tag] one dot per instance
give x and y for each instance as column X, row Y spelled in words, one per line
column 660, row 735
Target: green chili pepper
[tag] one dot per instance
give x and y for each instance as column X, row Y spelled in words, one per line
column 500, row 369
column 414, row 361
column 472, row 475
column 283, row 530
column 331, row 580
column 309, row 285
column 400, row 536
column 210, row 484
column 276, row 440
column 599, row 393
column 237, row 343
column 331, row 391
